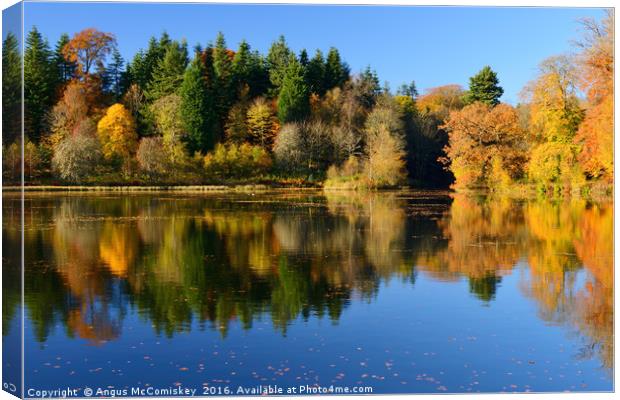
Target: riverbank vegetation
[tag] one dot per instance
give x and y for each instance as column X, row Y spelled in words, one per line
column 217, row 116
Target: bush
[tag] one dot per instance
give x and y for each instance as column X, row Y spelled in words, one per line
column 305, row 147
column 151, row 156
column 76, row 157
column 237, row 161
column 554, row 166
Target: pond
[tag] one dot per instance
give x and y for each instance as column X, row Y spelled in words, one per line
column 390, row 292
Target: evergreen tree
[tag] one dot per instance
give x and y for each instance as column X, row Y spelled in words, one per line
column 248, row 68
column 336, row 72
column 197, row 108
column 315, row 74
column 168, row 73
column 366, row 88
column 144, row 63
column 303, row 58
column 115, row 75
column 11, row 90
column 408, row 90
column 65, row 69
column 278, row 59
column 222, row 65
column 484, row 87
column 293, row 101
column 39, row 84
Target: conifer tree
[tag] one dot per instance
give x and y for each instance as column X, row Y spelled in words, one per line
column 65, row 69
column 197, row 108
column 336, row 72
column 11, row 89
column 315, row 74
column 278, row 59
column 484, row 87
column 39, row 83
column 293, row 101
column 168, row 73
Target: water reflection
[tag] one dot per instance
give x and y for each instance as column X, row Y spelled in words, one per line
column 291, row 257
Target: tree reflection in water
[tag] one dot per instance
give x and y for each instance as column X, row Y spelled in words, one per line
column 290, row 257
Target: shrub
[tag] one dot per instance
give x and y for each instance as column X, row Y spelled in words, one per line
column 151, row 156
column 237, row 161
column 76, row 157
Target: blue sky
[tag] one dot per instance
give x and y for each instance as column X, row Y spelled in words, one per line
column 431, row 45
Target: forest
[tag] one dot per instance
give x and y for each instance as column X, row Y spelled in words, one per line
column 211, row 115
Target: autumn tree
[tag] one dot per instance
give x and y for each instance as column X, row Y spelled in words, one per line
column 596, row 69
column 72, row 110
column 167, row 113
column 484, row 87
column 117, row 134
column 484, row 145
column 385, row 145
column 261, row 123
column 151, row 156
column 76, row 157
column 88, row 49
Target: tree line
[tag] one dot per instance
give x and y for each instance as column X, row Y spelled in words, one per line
column 216, row 115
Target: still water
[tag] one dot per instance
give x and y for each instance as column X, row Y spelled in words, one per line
column 416, row 292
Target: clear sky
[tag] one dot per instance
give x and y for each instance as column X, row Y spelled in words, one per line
column 431, row 45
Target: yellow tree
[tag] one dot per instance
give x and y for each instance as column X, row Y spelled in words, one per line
column 117, row 134
column 554, row 117
column 596, row 69
column 261, row 123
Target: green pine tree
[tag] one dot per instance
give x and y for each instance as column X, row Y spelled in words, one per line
column 197, row 109
column 65, row 69
column 293, row 101
column 336, row 72
column 484, row 87
column 278, row 59
column 114, row 75
column 168, row 73
column 11, row 90
column 315, row 74
column 39, row 84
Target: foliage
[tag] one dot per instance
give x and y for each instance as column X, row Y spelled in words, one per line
column 151, row 156
column 39, row 84
column 554, row 109
column 484, row 87
column 261, row 123
column 596, row 65
column 293, row 100
column 167, row 113
column 385, row 143
column 76, row 106
column 554, row 165
column 117, row 133
column 76, row 157
column 11, row 90
column 478, row 134
column 303, row 147
column 168, row 72
column 236, row 161
column 197, row 109
column 87, row 49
